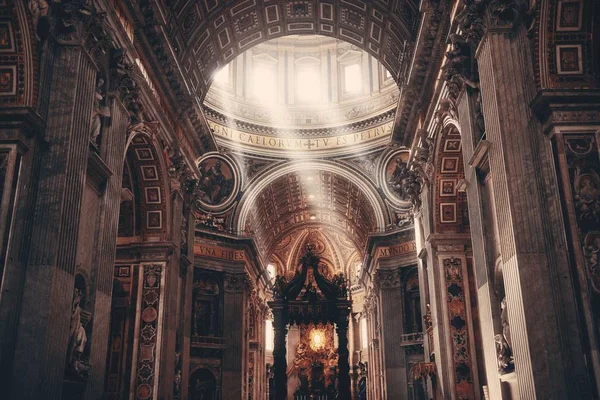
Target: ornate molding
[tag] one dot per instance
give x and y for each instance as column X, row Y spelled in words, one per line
column 504, row 13
column 235, row 283
column 389, row 279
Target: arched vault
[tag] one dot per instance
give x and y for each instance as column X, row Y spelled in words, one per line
column 297, row 195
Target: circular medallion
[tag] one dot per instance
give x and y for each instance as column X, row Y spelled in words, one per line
column 219, row 182
column 144, row 391
column 149, row 314
column 394, row 177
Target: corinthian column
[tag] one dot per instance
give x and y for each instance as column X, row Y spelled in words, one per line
column 394, row 360
column 66, row 102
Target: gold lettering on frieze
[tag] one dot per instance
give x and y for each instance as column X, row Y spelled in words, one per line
column 295, row 144
column 397, row 250
column 219, row 252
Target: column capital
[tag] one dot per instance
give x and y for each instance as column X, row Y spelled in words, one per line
column 504, row 14
column 388, row 278
column 235, row 283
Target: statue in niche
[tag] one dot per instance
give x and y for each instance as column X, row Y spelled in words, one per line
column 505, row 359
column 98, row 111
column 201, row 318
column 479, row 120
column 39, row 11
column 203, row 386
column 505, row 325
column 206, row 307
column 76, row 365
column 503, row 343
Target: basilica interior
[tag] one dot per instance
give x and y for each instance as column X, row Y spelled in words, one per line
column 300, row 199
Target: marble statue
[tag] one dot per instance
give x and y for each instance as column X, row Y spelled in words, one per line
column 77, row 339
column 98, row 111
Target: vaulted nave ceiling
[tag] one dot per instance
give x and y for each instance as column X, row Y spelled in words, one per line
column 317, row 198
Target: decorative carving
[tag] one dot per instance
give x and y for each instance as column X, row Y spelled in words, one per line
column 206, row 306
column 423, row 160
column 457, row 69
column 279, row 286
column 472, row 21
column 235, row 283
column 479, row 119
column 591, row 250
column 451, row 248
column 77, row 366
column 99, row 110
column 210, row 221
column 39, row 11
column 504, row 355
column 503, row 343
column 427, row 321
column 389, row 278
column 406, row 183
column 145, row 374
column 457, row 316
column 504, row 12
column 126, row 88
column 587, row 194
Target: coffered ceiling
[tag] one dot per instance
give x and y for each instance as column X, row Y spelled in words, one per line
column 316, row 198
column 206, row 34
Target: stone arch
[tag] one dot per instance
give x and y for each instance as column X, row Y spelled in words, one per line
column 450, row 212
column 353, row 175
column 567, row 50
column 19, row 55
column 214, row 35
column 206, row 378
column 145, row 167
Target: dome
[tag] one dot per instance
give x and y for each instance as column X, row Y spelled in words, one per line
column 304, row 93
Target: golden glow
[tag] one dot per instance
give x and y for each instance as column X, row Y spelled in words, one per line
column 317, row 339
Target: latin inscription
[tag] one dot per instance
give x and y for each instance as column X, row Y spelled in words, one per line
column 400, row 249
column 296, row 144
column 218, row 252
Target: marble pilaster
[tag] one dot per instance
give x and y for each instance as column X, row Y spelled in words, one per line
column 535, row 264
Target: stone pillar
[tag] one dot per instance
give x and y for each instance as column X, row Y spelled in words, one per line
column 456, row 331
column 233, row 334
column 113, row 143
column 187, row 272
column 20, row 133
column 149, row 328
column 43, row 332
column 483, row 236
column 279, row 350
column 394, row 360
column 375, row 375
column 172, row 299
column 343, row 355
column 539, row 291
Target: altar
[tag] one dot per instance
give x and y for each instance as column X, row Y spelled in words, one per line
column 321, row 311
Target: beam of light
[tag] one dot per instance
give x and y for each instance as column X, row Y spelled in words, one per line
column 308, row 83
column 269, row 336
column 222, row 76
column 265, row 83
column 353, row 79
